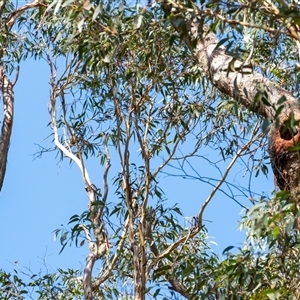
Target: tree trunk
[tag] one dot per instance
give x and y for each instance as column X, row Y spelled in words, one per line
column 8, row 113
column 247, row 87
column 7, row 22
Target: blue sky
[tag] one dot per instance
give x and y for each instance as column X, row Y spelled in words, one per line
column 40, row 195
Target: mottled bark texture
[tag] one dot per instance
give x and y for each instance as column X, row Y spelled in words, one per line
column 6, row 85
column 239, row 80
column 284, row 159
column 8, row 113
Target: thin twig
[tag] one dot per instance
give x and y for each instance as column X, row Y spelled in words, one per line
column 216, row 188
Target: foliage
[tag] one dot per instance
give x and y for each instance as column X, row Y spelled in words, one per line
column 126, row 91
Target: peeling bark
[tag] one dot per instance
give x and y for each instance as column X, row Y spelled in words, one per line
column 87, row 278
column 99, row 247
column 285, row 163
column 247, row 87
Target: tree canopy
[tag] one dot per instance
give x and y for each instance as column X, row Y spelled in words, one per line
column 147, row 90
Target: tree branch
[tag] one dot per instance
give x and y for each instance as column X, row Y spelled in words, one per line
column 229, row 167
column 228, row 75
column 18, row 12
column 255, row 92
column 176, row 285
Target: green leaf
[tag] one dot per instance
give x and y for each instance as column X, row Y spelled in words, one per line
column 57, row 7
column 74, row 218
column 265, row 127
column 227, row 249
column 294, row 148
column 98, row 9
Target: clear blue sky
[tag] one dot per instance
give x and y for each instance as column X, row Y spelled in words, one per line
column 38, row 196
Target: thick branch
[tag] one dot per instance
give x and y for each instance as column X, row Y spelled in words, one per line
column 238, row 80
column 12, row 18
column 230, row 76
column 87, row 278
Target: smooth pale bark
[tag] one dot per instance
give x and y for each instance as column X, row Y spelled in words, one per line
column 238, row 80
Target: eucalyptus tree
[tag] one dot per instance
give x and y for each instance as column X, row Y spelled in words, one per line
column 244, row 80
column 142, row 89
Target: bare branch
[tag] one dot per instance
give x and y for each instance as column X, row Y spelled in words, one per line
column 58, row 144
column 87, row 233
